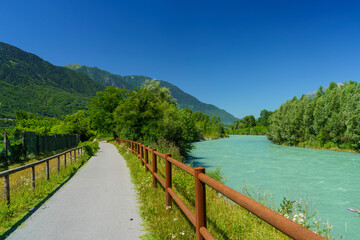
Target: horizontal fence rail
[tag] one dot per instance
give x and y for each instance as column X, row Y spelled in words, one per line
column 6, row 174
column 285, row 225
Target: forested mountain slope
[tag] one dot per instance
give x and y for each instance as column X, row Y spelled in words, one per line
column 31, row 84
column 184, row 100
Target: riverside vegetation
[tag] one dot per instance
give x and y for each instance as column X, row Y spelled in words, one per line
column 225, row 220
column 330, row 119
column 250, row 126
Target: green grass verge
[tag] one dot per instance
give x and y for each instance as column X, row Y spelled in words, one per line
column 225, row 219
column 24, row 200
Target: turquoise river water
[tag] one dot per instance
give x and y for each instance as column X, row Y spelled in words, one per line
column 328, row 179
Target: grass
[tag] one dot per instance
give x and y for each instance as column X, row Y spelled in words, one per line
column 29, row 159
column 24, row 200
column 225, row 219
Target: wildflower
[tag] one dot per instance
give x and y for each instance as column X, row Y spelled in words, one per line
column 287, row 216
column 182, row 233
column 175, row 219
column 168, row 207
column 301, row 215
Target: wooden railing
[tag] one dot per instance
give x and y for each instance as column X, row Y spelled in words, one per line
column 285, row 225
column 6, row 174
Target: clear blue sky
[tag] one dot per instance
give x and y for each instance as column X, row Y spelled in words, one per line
column 242, row 56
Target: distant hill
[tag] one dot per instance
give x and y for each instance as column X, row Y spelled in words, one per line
column 184, row 99
column 29, row 83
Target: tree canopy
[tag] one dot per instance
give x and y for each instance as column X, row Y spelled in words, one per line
column 330, row 119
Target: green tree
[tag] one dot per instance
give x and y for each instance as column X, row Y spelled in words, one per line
column 102, row 107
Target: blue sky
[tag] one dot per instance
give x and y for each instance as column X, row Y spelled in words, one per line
column 242, row 56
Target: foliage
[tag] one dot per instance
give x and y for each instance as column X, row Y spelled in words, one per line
column 31, row 84
column 34, row 123
column 298, row 211
column 90, row 147
column 6, row 124
column 77, row 123
column 183, row 99
column 249, row 126
column 149, row 114
column 330, row 119
column 102, row 108
column 208, row 128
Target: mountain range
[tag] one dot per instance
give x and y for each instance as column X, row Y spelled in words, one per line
column 29, row 83
column 32, row 84
column 184, row 99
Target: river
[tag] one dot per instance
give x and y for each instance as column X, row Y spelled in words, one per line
column 328, row 179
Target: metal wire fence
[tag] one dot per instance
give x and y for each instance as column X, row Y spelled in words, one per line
column 15, row 146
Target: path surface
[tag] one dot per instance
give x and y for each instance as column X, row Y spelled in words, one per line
column 97, row 203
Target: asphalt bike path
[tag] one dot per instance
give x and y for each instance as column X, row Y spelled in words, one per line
column 97, row 203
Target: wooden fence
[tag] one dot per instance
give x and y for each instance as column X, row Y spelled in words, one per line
column 6, row 174
column 285, row 225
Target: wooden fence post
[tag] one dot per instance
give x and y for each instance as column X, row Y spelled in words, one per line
column 7, row 189
column 70, row 156
column 142, row 155
column 154, row 166
column 75, row 155
column 137, row 149
column 146, row 158
column 200, row 203
column 32, row 178
column 168, row 179
column 47, row 170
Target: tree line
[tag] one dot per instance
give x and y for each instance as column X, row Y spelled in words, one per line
column 149, row 114
column 250, row 126
column 329, row 119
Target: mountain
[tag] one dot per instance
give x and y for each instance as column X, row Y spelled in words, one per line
column 184, row 99
column 31, row 84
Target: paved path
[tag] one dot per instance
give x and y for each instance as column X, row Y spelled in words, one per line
column 97, row 203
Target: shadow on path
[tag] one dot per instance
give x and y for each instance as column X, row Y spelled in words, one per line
column 23, row 219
